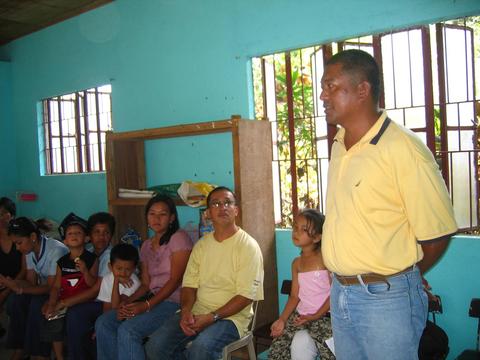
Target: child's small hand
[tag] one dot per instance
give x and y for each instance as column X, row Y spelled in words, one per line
column 277, row 328
column 48, row 309
column 60, row 305
column 302, row 319
column 122, row 312
column 128, row 283
column 81, row 265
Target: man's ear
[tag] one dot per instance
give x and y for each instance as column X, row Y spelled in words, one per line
column 110, row 266
column 364, row 90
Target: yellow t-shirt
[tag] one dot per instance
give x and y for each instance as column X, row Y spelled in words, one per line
column 221, row 270
column 385, row 195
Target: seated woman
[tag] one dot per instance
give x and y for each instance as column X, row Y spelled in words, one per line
column 24, row 308
column 12, row 262
column 163, row 259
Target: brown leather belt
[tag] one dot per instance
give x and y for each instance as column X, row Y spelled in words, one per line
column 369, row 278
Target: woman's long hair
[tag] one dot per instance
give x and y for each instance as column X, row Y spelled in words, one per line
column 174, row 225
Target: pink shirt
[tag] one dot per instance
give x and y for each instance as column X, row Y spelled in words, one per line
column 314, row 289
column 159, row 264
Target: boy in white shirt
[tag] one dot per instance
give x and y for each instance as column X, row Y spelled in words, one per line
column 123, row 262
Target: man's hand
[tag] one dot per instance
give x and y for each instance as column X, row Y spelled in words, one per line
column 187, row 320
column 201, row 322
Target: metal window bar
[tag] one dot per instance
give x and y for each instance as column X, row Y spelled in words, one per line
column 48, row 134
column 78, row 134
column 60, row 127
column 82, row 154
column 291, row 131
column 99, row 140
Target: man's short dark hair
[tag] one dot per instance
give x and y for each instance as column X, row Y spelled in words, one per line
column 361, row 65
column 220, row 188
column 125, row 252
column 8, row 205
column 101, row 218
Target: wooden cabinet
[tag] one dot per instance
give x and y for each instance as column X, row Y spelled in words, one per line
column 252, row 167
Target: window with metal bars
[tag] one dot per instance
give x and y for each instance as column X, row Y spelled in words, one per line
column 430, row 86
column 74, row 127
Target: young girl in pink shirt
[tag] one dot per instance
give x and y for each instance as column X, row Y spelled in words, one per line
column 303, row 326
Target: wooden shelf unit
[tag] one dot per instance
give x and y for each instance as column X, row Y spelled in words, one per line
column 253, row 186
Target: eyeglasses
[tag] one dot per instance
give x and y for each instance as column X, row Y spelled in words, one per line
column 226, row 203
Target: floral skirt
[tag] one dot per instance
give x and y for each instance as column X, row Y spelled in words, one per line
column 320, row 330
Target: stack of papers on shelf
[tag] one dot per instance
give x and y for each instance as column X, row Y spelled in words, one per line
column 133, row 193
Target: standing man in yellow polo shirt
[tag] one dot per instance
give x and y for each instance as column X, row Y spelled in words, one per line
column 223, row 276
column 388, row 218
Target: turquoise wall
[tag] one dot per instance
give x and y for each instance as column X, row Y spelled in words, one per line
column 455, row 278
column 172, row 62
column 8, row 174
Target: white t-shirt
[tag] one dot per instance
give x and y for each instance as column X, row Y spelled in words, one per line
column 105, row 293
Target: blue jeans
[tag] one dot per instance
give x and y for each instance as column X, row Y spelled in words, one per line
column 80, row 320
column 374, row 322
column 169, row 341
column 124, row 339
column 25, row 324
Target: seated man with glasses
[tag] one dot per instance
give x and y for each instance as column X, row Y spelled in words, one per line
column 224, row 276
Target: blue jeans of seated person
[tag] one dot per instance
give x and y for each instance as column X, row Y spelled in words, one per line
column 79, row 321
column 124, row 339
column 169, row 341
column 372, row 321
column 25, row 312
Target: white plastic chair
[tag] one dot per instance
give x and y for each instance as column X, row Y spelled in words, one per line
column 245, row 340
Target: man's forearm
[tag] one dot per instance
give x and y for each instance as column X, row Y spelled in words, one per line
column 187, row 298
column 233, row 306
column 432, row 251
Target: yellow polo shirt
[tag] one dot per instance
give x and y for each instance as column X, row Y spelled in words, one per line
column 384, row 196
column 221, row 270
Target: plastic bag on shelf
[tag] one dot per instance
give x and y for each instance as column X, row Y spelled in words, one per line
column 194, row 194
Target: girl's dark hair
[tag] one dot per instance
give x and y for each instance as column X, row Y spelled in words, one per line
column 101, row 218
column 315, row 220
column 24, row 226
column 8, row 205
column 125, row 252
column 174, row 225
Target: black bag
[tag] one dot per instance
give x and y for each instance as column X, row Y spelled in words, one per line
column 433, row 343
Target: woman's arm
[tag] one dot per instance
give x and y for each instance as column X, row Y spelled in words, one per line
column 178, row 260
column 54, row 292
column 23, row 269
column 28, row 285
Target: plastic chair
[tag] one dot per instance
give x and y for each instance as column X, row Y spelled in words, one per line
column 245, row 340
column 474, row 312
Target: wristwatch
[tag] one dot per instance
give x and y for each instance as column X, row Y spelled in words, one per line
column 216, row 317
